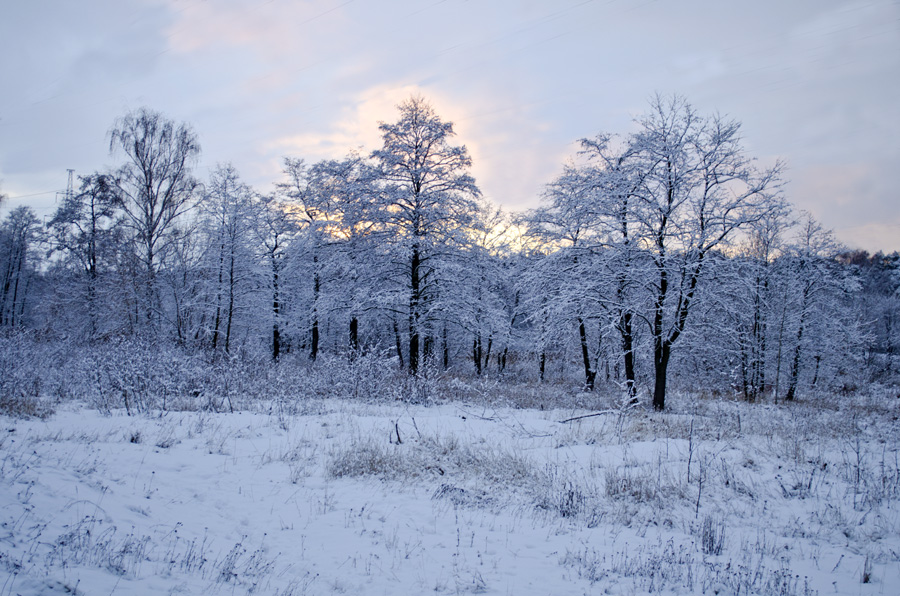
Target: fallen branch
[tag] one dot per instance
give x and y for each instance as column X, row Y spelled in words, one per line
column 588, row 416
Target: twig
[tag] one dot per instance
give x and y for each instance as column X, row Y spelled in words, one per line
column 479, row 417
column 604, row 412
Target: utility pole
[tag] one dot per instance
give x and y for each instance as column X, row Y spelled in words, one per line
column 70, row 186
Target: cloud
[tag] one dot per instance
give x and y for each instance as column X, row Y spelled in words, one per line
column 511, row 161
column 354, row 125
column 852, row 199
column 274, row 29
column 842, row 184
column 872, row 236
column 814, row 81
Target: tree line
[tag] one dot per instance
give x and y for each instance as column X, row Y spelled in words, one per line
column 666, row 255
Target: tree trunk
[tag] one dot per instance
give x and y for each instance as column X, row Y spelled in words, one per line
column 795, row 362
column 15, row 292
column 151, row 285
column 314, row 340
column 778, row 354
column 795, row 367
column 660, row 363
column 414, row 313
column 586, row 357
column 218, row 319
column 753, row 350
column 276, row 310
column 746, row 383
column 660, row 360
column 427, row 349
column 397, row 342
column 750, row 353
column 7, row 284
column 446, row 348
column 230, row 315
column 314, row 332
column 627, row 335
column 92, row 302
column 476, row 354
column 92, row 274
column 354, row 335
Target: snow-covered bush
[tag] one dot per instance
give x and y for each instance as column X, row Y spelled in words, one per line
column 22, row 377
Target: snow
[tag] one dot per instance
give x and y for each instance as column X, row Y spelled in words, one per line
column 473, row 499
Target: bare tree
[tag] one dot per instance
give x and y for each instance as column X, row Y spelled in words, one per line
column 811, row 262
column 315, row 203
column 567, row 227
column 227, row 215
column 155, row 185
column 276, row 227
column 19, row 233
column 85, row 230
column 753, row 298
column 698, row 192
column 429, row 199
column 347, row 270
column 612, row 178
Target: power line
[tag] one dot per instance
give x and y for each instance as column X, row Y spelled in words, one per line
column 37, row 194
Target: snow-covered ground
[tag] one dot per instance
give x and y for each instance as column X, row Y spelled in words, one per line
column 344, row 497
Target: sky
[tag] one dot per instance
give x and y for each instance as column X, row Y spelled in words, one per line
column 814, row 82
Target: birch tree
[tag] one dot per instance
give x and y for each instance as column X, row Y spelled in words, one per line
column 156, row 188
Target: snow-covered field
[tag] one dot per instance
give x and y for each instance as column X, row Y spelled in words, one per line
column 347, row 497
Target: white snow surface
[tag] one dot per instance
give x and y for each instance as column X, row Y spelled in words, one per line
column 727, row 499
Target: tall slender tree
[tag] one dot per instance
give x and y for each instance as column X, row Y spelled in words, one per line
column 428, row 200
column 815, row 285
column 19, row 235
column 85, row 230
column 156, row 188
column 613, row 179
column 227, row 218
column 754, row 301
column 276, row 227
column 349, row 270
column 567, row 226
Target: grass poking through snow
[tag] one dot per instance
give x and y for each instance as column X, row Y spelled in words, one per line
column 386, row 497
